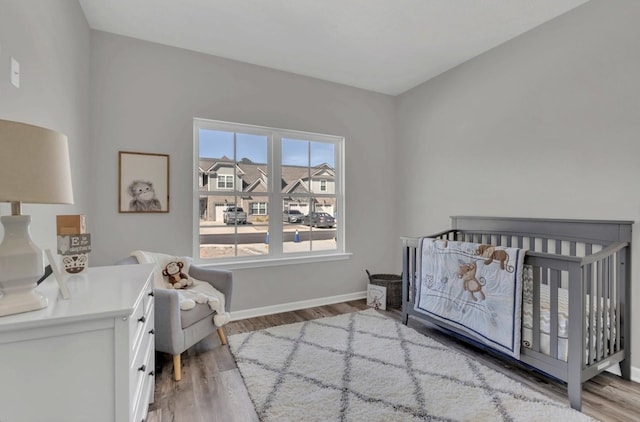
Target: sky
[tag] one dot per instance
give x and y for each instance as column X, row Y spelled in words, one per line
column 295, row 152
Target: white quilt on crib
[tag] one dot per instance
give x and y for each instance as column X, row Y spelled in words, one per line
column 199, row 292
column 476, row 288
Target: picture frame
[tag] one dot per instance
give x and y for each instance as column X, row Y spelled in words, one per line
column 143, row 182
column 377, row 296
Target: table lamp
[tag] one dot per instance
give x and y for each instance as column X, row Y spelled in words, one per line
column 34, row 169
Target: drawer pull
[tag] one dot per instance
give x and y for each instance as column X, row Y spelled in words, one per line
column 152, row 332
column 151, row 373
column 142, row 368
column 142, row 319
column 151, row 294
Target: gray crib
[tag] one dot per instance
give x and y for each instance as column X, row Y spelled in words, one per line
column 586, row 261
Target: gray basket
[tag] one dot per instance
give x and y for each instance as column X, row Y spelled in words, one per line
column 393, row 283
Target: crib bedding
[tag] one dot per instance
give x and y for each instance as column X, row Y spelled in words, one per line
column 476, row 287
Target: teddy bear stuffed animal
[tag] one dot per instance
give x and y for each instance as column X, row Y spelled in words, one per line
column 176, row 278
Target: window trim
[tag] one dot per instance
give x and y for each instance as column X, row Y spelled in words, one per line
column 226, row 178
column 275, row 198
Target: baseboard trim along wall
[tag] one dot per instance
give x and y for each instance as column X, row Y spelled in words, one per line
column 294, row 306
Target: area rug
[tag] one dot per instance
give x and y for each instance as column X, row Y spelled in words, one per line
column 364, row 366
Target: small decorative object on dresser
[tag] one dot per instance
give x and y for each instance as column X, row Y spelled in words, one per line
column 74, row 243
column 89, row 358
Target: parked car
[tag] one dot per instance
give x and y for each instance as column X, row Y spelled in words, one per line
column 319, row 219
column 234, row 215
column 292, row 216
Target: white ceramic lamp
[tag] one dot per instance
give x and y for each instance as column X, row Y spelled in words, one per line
column 34, row 168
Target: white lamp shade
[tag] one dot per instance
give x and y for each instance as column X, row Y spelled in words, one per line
column 34, row 165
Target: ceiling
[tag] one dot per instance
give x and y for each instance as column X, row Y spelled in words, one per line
column 387, row 46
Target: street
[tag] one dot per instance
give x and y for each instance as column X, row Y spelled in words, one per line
column 227, row 235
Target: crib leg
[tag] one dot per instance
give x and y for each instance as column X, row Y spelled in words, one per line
column 405, row 318
column 625, row 368
column 574, row 389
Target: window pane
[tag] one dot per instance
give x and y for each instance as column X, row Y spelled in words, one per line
column 295, row 152
column 232, row 229
column 317, row 229
column 322, row 153
column 252, row 162
column 295, row 235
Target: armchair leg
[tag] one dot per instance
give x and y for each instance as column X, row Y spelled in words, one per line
column 177, row 368
column 223, row 338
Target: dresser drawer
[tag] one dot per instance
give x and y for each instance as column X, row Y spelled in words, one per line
column 145, row 383
column 140, row 319
column 140, row 355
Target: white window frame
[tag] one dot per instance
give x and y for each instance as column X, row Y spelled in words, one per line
column 276, row 256
column 226, row 178
column 261, row 208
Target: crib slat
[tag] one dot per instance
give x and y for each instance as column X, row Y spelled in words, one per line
column 619, row 301
column 553, row 329
column 611, row 296
column 602, row 268
column 606, row 309
column 592, row 269
column 536, row 310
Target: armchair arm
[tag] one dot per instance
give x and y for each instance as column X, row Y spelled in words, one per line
column 221, row 280
column 169, row 336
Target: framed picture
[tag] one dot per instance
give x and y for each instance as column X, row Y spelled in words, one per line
column 143, row 182
column 377, row 296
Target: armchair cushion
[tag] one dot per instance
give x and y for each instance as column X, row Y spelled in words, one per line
column 199, row 312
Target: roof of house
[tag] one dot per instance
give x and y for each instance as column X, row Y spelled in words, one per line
column 252, row 173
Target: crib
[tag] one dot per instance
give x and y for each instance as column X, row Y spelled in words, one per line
column 577, row 267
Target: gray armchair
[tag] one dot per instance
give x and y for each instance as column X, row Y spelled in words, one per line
column 178, row 330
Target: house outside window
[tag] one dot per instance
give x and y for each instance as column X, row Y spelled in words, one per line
column 265, row 172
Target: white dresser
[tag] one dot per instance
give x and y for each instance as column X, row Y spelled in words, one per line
column 89, row 358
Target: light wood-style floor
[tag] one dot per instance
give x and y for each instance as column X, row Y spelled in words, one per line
column 212, row 389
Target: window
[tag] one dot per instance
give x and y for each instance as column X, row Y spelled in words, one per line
column 265, row 172
column 225, row 181
column 258, row 208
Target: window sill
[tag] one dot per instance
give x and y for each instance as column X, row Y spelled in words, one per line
column 240, row 263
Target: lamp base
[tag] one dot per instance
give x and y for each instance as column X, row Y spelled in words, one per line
column 18, row 302
column 21, row 265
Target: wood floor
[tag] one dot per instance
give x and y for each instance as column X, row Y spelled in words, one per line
column 212, row 389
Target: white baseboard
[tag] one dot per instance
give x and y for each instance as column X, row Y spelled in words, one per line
column 635, row 374
column 294, row 306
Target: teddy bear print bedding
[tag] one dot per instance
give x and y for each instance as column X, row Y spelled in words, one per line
column 475, row 287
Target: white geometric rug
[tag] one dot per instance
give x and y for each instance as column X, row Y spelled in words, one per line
column 365, row 366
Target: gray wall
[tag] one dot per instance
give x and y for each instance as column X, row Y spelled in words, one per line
column 144, row 98
column 546, row 125
column 50, row 40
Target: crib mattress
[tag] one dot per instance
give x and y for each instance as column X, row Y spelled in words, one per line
column 545, row 316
